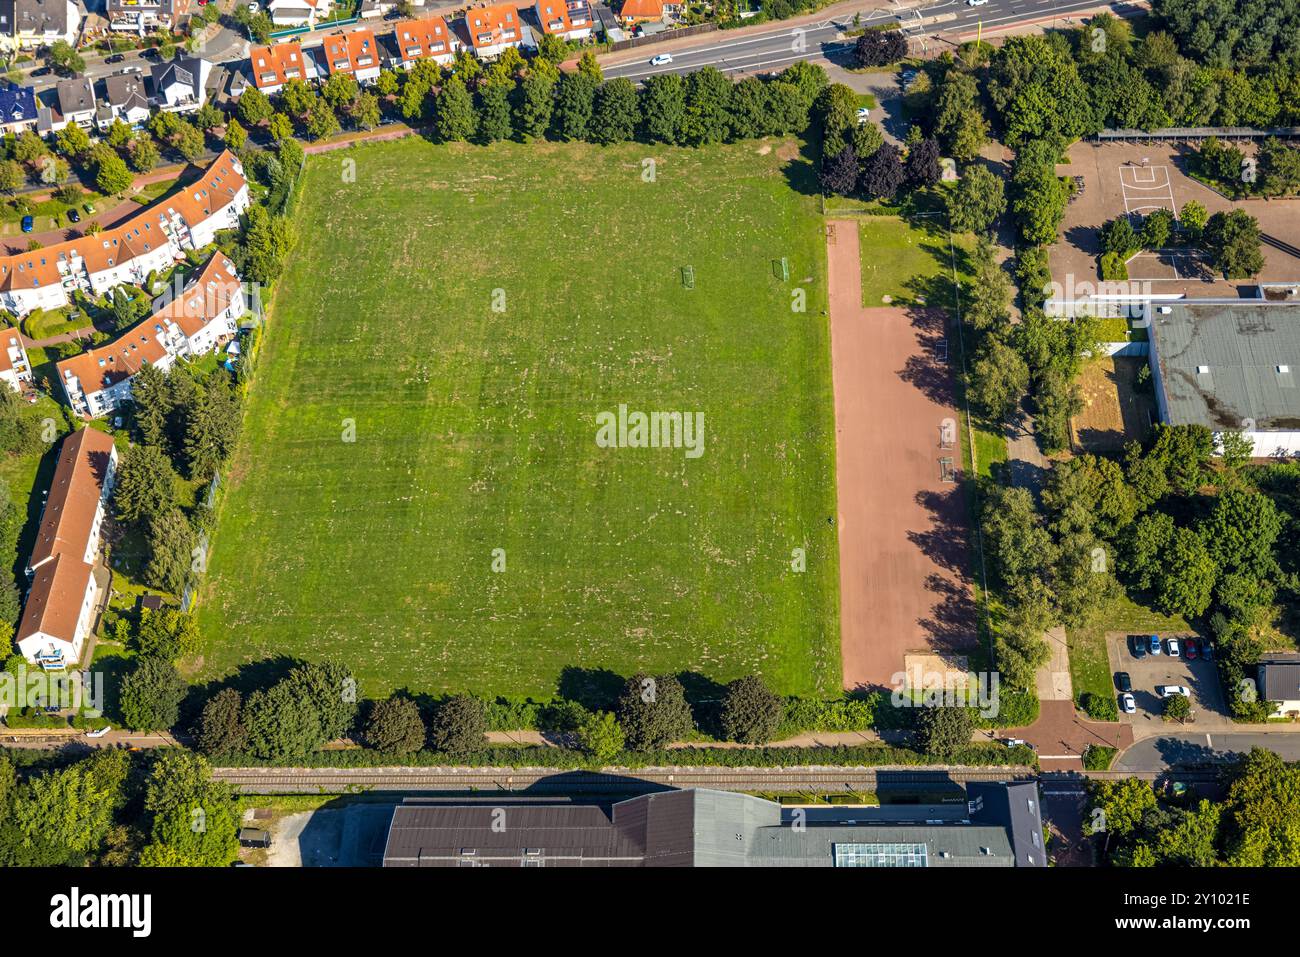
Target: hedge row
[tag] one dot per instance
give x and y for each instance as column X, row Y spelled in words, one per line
column 569, row 758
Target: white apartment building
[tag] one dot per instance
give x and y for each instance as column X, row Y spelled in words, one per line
column 60, row 607
column 15, row 367
column 150, row 240
column 195, row 321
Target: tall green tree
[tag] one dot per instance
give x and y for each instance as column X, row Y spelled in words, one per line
column 616, row 112
column 151, row 695
column 454, row 114
column 145, row 485
column 494, row 112
column 653, row 712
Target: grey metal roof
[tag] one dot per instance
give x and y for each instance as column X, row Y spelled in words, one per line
column 1201, row 132
column 1227, row 361
column 1015, row 808
column 1279, row 680
column 946, row 845
column 180, row 69
column 36, row 16
column 705, row 828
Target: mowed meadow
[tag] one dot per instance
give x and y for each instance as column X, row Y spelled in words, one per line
column 449, row 326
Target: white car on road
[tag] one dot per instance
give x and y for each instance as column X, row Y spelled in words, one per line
column 976, row 3
column 662, row 59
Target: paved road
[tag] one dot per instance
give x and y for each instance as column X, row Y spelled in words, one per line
column 781, row 46
column 1173, row 749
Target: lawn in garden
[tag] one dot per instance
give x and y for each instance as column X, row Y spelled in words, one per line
column 419, row 490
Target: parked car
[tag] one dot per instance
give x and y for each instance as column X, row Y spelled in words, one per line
column 89, row 208
column 1172, row 647
column 976, row 3
column 1122, row 681
column 1013, row 742
column 40, row 71
column 99, row 732
column 1127, row 704
column 1153, row 644
column 663, row 59
column 128, row 69
column 74, row 216
column 1191, row 649
column 115, row 58
column 151, row 53
column 28, row 224
column 1207, row 649
column 1137, row 646
column 864, row 114
column 1168, row 691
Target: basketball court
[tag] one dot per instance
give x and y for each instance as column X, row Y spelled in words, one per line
column 1138, row 178
column 1145, row 189
column 902, row 520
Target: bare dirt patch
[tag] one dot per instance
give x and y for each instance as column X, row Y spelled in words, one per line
column 1115, row 410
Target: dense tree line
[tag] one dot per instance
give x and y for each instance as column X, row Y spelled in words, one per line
column 183, row 425
column 161, row 809
column 1253, row 826
column 1234, row 33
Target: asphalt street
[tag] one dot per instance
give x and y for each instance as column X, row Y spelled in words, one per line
column 778, row 48
column 1184, row 748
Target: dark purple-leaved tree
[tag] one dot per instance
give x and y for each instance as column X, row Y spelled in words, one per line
column 839, row 173
column 879, row 48
column 882, row 174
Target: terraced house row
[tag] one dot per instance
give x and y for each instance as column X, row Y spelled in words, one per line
column 486, row 30
column 151, row 240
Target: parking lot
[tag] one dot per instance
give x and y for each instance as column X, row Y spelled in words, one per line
column 1200, row 677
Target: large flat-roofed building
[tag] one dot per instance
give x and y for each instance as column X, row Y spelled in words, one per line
column 999, row 826
column 1231, row 365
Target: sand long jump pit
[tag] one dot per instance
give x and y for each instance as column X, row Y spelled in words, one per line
column 903, row 525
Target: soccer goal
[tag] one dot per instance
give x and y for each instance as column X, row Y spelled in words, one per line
column 688, row 277
column 781, row 269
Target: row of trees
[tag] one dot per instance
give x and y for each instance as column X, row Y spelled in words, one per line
column 1231, row 240
column 317, row 703
column 1078, row 82
column 1273, row 171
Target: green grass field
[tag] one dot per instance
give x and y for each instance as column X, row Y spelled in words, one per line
column 905, row 261
column 475, row 429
